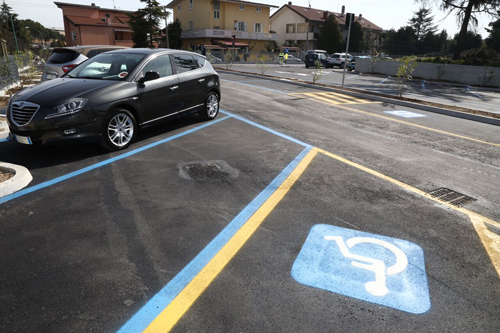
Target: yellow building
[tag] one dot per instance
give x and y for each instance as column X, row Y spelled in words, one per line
column 216, row 23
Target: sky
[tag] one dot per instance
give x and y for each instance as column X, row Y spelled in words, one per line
column 384, row 13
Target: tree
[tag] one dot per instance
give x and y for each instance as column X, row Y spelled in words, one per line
column 472, row 41
column 330, row 38
column 146, row 21
column 493, row 40
column 400, row 42
column 422, row 24
column 356, row 40
column 174, row 34
column 466, row 13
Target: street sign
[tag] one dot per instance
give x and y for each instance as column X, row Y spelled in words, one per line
column 287, row 50
column 349, row 20
column 370, row 267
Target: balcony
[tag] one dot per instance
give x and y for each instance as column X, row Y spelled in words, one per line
column 216, row 33
column 301, row 36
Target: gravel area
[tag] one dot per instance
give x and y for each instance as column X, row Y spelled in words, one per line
column 4, row 175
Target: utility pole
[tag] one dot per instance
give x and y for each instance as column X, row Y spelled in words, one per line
column 14, row 30
column 349, row 19
column 166, row 26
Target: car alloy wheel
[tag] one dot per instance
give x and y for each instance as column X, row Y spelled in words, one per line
column 120, row 130
column 211, row 106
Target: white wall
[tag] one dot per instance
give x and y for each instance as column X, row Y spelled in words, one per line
column 473, row 75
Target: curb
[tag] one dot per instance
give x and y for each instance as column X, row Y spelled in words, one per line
column 21, row 179
column 4, row 129
column 487, row 119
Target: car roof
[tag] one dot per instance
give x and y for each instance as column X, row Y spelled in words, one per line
column 153, row 51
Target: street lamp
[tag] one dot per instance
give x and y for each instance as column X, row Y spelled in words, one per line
column 41, row 36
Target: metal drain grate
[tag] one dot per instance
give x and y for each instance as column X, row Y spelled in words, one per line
column 452, row 197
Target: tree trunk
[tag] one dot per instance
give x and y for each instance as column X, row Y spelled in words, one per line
column 463, row 30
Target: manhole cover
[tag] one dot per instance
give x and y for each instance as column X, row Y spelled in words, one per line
column 453, row 197
column 207, row 170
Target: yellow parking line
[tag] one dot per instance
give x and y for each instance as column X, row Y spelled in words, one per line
column 167, row 319
column 490, row 240
column 346, row 99
column 320, row 99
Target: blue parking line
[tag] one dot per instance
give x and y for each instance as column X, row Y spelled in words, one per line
column 5, row 140
column 253, row 86
column 266, row 129
column 141, row 320
column 103, row 163
column 423, row 84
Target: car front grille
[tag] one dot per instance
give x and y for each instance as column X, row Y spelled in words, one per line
column 22, row 112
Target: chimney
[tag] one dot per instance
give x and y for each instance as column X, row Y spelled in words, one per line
column 360, row 16
column 290, row 3
column 92, row 4
column 325, row 15
column 343, row 11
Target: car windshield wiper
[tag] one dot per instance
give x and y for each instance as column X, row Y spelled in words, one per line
column 87, row 77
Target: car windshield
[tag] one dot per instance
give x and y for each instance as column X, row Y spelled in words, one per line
column 107, row 66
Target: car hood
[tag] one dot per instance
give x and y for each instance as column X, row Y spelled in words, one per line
column 55, row 92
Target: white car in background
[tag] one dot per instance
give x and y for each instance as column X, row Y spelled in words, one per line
column 339, row 60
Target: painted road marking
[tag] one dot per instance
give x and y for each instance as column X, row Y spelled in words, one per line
column 337, row 99
column 106, row 162
column 387, row 78
column 373, row 268
column 405, row 114
column 490, row 240
column 351, row 77
column 474, row 93
column 192, row 281
column 325, row 101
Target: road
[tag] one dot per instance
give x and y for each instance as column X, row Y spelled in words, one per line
column 296, row 210
column 475, row 98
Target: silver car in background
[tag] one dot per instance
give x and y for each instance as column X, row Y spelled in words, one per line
column 64, row 59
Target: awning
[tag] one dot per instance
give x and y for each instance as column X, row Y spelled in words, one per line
column 230, row 43
column 123, row 30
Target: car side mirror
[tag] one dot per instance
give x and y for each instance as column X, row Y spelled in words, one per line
column 149, row 76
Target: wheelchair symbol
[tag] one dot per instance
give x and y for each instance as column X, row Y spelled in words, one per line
column 377, row 287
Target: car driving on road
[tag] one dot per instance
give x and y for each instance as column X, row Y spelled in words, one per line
column 110, row 97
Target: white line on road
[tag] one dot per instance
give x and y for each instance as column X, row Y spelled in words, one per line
column 387, row 78
column 350, row 77
column 474, row 93
column 423, row 84
column 301, row 74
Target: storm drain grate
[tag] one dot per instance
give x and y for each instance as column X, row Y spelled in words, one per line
column 453, row 197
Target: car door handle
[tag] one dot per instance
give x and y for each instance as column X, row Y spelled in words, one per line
column 174, row 87
column 201, row 80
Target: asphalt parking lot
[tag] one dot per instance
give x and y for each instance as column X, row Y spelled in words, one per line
column 295, row 210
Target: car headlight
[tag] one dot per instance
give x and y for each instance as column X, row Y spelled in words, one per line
column 70, row 107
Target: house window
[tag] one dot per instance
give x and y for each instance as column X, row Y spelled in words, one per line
column 191, row 25
column 216, row 5
column 258, row 10
column 216, row 14
column 179, row 9
column 190, row 4
column 311, row 28
column 302, row 28
column 73, row 34
column 240, row 26
column 242, row 7
column 257, row 27
column 216, row 27
column 290, row 28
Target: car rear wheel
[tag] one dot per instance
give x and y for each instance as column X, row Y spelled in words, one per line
column 342, row 65
column 211, row 106
column 119, row 130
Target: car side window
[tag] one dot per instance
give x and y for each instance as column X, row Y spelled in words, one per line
column 184, row 63
column 200, row 61
column 322, row 57
column 92, row 53
column 160, row 64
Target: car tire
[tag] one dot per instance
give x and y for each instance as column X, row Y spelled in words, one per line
column 342, row 65
column 120, row 130
column 307, row 66
column 211, row 107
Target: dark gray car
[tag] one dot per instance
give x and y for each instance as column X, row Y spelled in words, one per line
column 109, row 97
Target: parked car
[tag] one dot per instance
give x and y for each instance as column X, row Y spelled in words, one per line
column 338, row 59
column 292, row 59
column 317, row 51
column 110, row 97
column 312, row 57
column 64, row 59
column 351, row 65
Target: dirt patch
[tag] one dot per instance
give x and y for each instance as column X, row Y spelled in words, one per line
column 5, row 175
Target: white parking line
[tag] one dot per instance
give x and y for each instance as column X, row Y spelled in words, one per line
column 387, row 78
column 474, row 93
column 350, row 77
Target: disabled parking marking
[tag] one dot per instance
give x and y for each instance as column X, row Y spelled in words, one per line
column 406, row 114
column 490, row 240
column 373, row 268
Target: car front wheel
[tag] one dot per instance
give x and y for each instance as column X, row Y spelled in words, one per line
column 211, row 106
column 120, row 130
